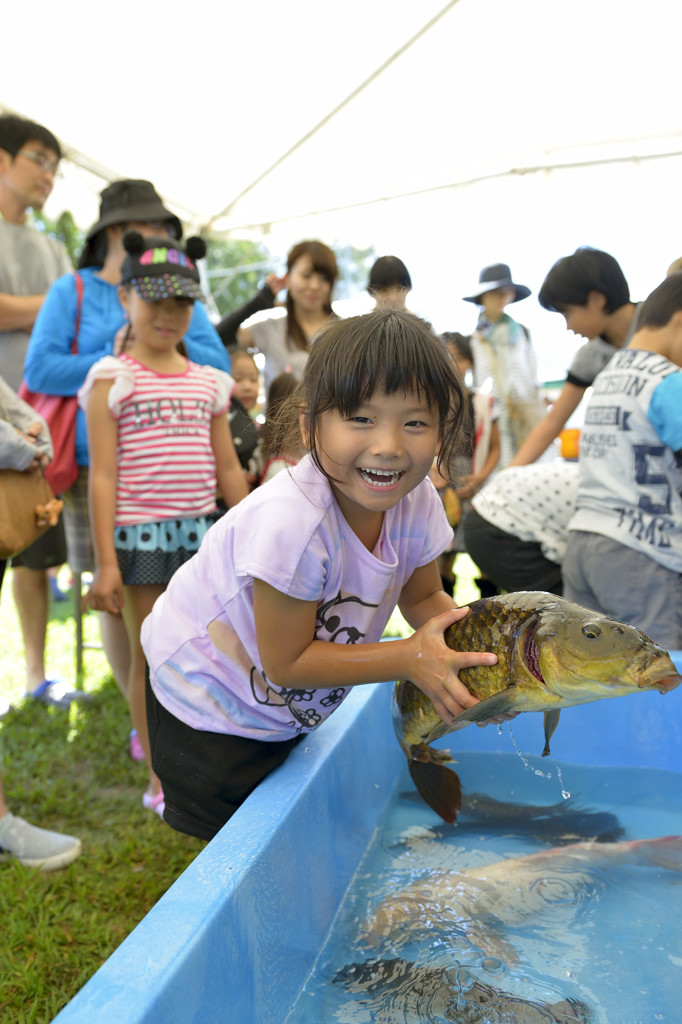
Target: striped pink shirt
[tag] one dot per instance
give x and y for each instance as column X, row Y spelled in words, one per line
column 166, row 466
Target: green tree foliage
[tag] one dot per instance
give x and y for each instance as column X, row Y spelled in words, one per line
column 354, row 267
column 236, row 269
column 64, row 230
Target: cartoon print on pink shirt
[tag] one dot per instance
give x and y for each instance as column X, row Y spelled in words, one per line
column 326, row 623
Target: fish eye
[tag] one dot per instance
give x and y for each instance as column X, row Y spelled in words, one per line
column 591, row 631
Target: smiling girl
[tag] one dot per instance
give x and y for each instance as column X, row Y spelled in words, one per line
column 260, row 636
column 285, row 340
column 159, row 441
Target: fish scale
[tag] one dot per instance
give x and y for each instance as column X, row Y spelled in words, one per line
column 485, row 629
column 551, row 654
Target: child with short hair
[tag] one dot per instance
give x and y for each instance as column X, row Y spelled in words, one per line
column 389, row 283
column 590, row 291
column 159, row 442
column 624, row 554
column 243, row 400
column 260, row 636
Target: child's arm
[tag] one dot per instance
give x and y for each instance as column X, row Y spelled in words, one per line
column 292, row 657
column 472, row 482
column 231, row 480
column 106, row 592
column 541, row 436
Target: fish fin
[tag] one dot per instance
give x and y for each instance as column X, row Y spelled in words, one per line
column 499, row 704
column 551, row 722
column 439, row 787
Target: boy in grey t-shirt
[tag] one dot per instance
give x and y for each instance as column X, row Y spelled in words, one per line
column 624, row 554
column 30, row 262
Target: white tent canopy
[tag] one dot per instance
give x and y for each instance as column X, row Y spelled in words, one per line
column 454, row 134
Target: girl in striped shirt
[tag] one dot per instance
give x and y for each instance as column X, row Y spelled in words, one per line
column 159, row 445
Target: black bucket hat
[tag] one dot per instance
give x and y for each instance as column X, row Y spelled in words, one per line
column 159, row 268
column 131, row 200
column 497, row 275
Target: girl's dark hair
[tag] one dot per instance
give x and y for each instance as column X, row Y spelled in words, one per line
column 661, row 305
column 388, row 272
column 281, row 388
column 573, row 277
column 387, row 350
column 324, row 263
column 461, row 343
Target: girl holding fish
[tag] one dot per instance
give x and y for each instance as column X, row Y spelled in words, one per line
column 260, row 635
column 159, row 440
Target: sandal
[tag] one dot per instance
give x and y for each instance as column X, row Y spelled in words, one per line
column 154, row 802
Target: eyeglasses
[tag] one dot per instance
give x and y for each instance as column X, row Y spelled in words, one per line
column 42, row 159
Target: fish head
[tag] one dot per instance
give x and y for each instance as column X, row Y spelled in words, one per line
column 584, row 656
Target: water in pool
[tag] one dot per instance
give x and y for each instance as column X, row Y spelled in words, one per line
column 502, row 918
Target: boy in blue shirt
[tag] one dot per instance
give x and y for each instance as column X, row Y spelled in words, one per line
column 624, row 554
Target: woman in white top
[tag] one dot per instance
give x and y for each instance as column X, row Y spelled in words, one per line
column 285, row 337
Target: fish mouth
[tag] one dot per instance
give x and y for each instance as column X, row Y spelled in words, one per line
column 531, row 654
column 664, row 685
column 659, row 674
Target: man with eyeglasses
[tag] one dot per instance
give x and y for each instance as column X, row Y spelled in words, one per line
column 30, row 262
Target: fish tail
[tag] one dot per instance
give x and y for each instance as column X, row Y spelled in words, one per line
column 439, row 787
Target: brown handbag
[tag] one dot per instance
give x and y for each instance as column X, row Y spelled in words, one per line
column 27, row 509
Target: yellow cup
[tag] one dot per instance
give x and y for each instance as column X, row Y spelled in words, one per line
column 570, row 443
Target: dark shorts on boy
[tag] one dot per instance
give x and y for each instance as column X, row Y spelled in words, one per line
column 511, row 563
column 205, row 776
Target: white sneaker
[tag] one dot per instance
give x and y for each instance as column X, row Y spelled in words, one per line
column 35, row 847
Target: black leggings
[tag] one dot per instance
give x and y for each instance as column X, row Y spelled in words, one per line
column 205, row 776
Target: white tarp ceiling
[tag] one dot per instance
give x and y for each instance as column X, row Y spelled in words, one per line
column 288, row 119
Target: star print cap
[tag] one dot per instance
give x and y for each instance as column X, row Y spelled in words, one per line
column 161, row 268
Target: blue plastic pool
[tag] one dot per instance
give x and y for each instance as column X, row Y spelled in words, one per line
column 236, row 936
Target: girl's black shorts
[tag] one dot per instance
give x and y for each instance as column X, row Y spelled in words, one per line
column 205, row 776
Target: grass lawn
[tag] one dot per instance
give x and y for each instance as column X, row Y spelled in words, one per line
column 70, row 771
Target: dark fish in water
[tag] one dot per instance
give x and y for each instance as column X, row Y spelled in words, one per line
column 482, row 904
column 551, row 654
column 553, row 824
column 556, row 824
column 408, row 992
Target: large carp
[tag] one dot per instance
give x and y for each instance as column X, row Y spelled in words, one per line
column 551, row 654
column 488, row 905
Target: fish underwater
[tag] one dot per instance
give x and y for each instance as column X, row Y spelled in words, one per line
column 551, row 824
column 396, row 989
column 551, row 654
column 483, row 904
